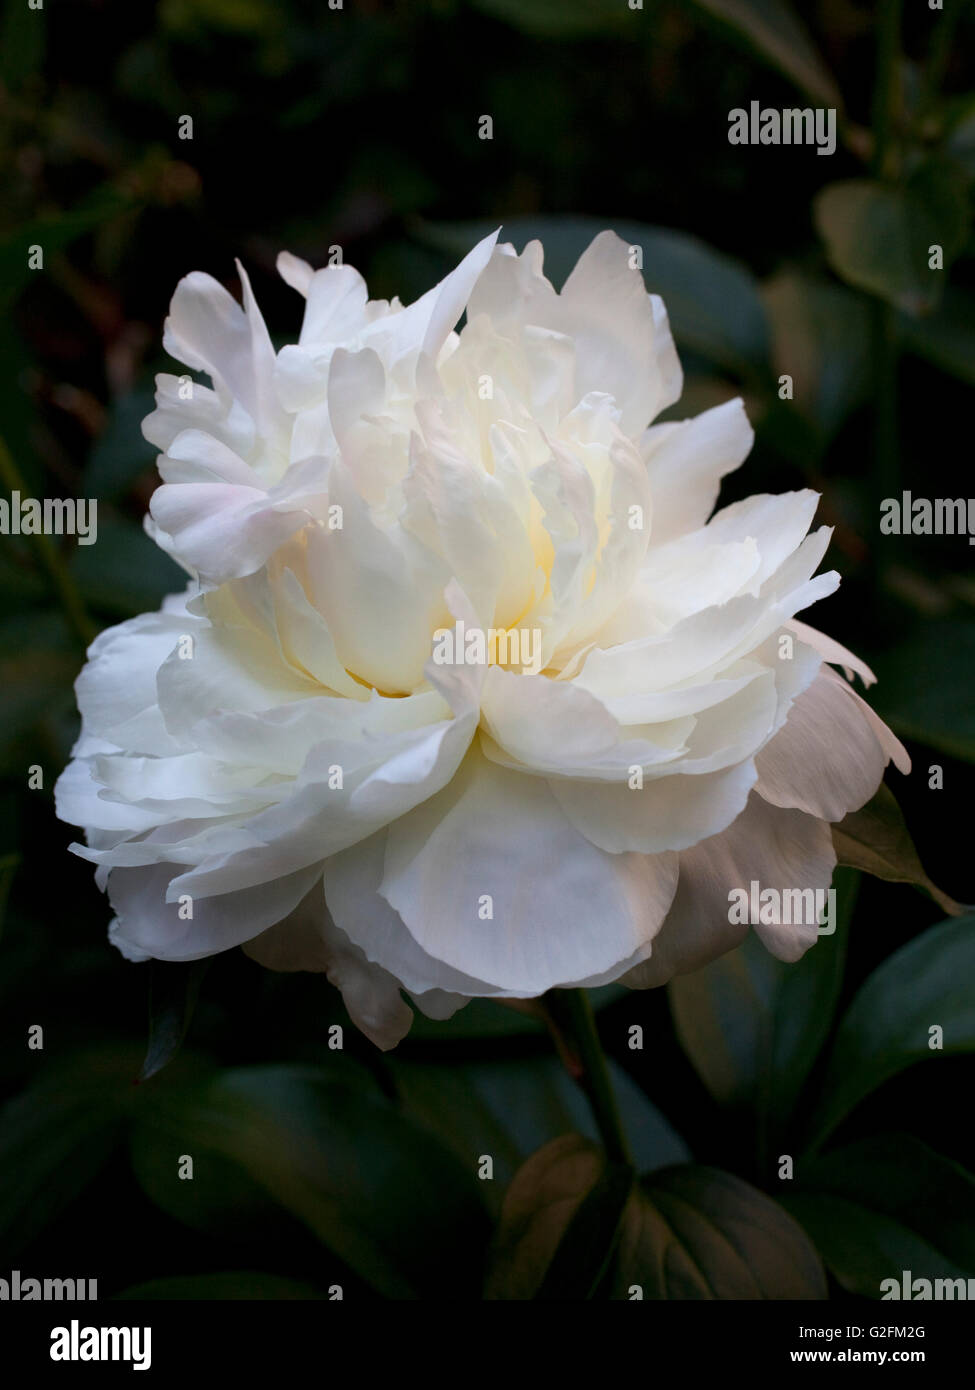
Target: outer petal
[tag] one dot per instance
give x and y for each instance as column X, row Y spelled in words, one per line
column 826, row 760
column 686, row 462
column 561, row 909
column 308, row 939
column 834, row 652
column 116, row 690
column 150, row 921
column 775, row 848
column 352, row 883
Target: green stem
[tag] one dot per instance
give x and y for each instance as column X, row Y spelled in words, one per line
column 885, row 359
column 883, row 326
column 52, row 559
column 574, row 1027
column 884, row 87
column 938, row 55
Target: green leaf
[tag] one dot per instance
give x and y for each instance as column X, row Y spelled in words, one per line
column 55, row 1137
column 233, row 1284
column 23, row 38
column 174, row 988
column 885, row 1205
column 120, row 455
column 701, row 1233
column 772, row 29
column 562, row 19
column 539, row 1206
column 189, row 19
column 821, row 337
column 886, row 1028
column 685, row 1233
column 582, row 1258
column 53, row 234
column 713, row 301
column 960, row 142
column 560, row 1223
column 507, row 1110
column 378, row 1190
column 9, row 863
column 878, row 237
column 753, row 1026
column 124, row 572
column 946, row 337
column 38, row 664
column 938, row 710
column 877, row 840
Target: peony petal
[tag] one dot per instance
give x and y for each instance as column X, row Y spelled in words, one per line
column 834, row 652
column 826, row 759
column 779, row 849
column 495, row 840
column 686, row 462
column 150, row 921
column 665, row 813
column 352, row 883
column 309, row 940
column 622, row 337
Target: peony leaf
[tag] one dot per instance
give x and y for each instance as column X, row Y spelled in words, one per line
column 378, row 1190
column 56, row 1136
column 701, row 1233
column 120, row 454
column 775, row 32
column 508, row 1109
column 685, row 1232
column 877, row 840
column 174, row 987
column 584, row 1255
column 926, row 983
column 129, row 573
column 753, row 1026
column 821, row 337
column 884, row 1205
column 946, row 337
column 9, row 864
column 55, row 232
column 539, row 1207
column 561, row 19
column 939, row 710
column 38, row 663
column 879, row 238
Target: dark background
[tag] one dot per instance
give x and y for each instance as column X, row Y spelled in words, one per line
column 359, row 128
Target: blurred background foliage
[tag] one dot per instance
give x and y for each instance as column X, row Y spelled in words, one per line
column 315, row 127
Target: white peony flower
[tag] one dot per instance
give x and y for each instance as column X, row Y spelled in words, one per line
column 468, row 697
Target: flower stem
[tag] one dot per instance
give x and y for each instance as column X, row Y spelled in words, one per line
column 573, row 1026
column 883, row 323
column 58, row 572
column 886, row 93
